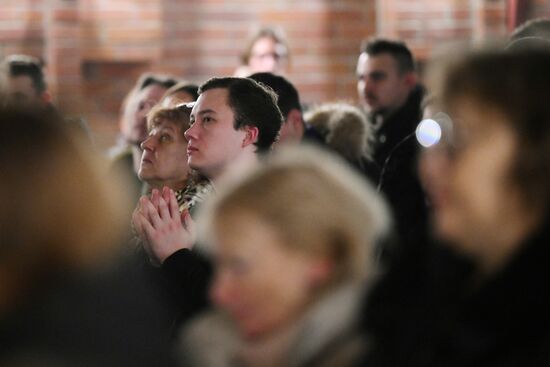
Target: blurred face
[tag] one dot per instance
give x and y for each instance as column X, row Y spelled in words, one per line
column 213, row 142
column 262, row 284
column 21, row 90
column 135, row 113
column 469, row 183
column 380, row 85
column 164, row 158
column 267, row 56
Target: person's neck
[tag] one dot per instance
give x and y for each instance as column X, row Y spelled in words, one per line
column 176, row 184
column 241, row 163
column 505, row 243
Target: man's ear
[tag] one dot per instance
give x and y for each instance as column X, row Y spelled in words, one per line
column 294, row 118
column 46, row 97
column 411, row 79
column 321, row 271
column 251, row 135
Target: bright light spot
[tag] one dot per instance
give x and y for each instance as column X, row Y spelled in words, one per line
column 428, row 132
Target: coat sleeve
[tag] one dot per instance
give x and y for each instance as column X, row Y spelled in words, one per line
column 189, row 274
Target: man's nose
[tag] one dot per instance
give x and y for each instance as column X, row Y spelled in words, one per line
column 191, row 133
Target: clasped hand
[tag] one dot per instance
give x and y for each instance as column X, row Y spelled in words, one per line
column 161, row 227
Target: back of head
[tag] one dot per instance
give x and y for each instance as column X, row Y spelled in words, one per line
column 397, row 49
column 532, row 28
column 345, row 129
column 57, row 214
column 184, row 86
column 288, row 97
column 315, row 204
column 514, row 83
column 252, row 105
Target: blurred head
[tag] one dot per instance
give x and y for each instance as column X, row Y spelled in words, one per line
column 25, row 81
column 490, row 171
column 146, row 93
column 288, row 102
column 231, row 116
column 385, row 75
column 164, row 158
column 182, row 92
column 280, row 242
column 532, row 28
column 345, row 128
column 58, row 212
column 266, row 51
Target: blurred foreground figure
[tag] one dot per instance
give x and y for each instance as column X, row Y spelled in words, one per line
column 62, row 300
column 482, row 298
column 291, row 259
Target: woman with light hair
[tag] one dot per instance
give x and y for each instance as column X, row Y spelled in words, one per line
column 346, row 130
column 291, row 242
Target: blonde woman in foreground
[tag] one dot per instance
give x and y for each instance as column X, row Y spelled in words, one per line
column 291, row 243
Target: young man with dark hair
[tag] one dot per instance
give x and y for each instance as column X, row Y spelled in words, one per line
column 387, row 86
column 233, row 119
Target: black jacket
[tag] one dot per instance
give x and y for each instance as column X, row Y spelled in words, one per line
column 426, row 311
column 396, row 154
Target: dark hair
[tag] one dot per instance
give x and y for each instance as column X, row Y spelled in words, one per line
column 397, row 49
column 532, row 28
column 287, row 94
column 24, row 65
column 183, row 86
column 252, row 105
column 148, row 79
column 264, row 32
column 516, row 84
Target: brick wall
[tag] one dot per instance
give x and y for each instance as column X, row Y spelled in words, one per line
column 96, row 48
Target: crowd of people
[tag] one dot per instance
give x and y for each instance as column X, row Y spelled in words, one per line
column 231, row 226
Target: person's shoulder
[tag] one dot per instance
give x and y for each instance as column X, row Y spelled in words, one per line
column 208, row 340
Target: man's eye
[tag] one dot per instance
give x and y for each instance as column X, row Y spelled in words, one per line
column 378, row 77
column 207, row 119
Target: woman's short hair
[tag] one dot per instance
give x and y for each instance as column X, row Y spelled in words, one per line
column 178, row 115
column 314, row 202
column 345, row 129
column 517, row 84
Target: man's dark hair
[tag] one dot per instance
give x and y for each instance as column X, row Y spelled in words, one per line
column 532, row 28
column 252, row 105
column 397, row 49
column 288, row 98
column 24, row 65
column 148, row 79
column 184, row 86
